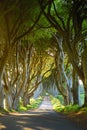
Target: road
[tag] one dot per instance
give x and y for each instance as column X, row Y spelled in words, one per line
column 44, row 118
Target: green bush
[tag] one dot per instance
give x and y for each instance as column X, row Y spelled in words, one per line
column 22, row 108
column 57, row 106
column 61, row 99
column 84, row 109
column 3, row 111
column 71, row 108
column 34, row 103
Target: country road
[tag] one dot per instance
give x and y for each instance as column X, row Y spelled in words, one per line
column 43, row 118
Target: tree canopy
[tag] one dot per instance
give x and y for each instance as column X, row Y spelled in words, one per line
column 42, row 39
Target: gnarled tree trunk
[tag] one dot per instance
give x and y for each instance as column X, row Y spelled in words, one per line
column 1, row 91
column 8, row 101
column 1, row 98
column 26, row 100
column 15, row 105
column 75, row 88
column 84, row 61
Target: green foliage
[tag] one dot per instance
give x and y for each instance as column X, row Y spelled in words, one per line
column 3, row 111
column 57, row 106
column 41, row 39
column 84, row 109
column 71, row 108
column 22, row 108
column 60, row 97
column 18, row 15
column 33, row 104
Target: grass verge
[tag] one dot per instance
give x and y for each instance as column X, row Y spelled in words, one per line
column 58, row 107
column 34, row 103
column 3, row 111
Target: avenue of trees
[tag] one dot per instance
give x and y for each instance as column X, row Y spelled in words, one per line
column 42, row 41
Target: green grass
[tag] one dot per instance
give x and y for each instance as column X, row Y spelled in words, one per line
column 71, row 108
column 22, row 108
column 34, row 103
column 57, row 106
column 3, row 111
column 84, row 110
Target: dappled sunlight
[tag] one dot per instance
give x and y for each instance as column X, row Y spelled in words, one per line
column 18, row 114
column 57, row 105
column 2, row 126
column 21, row 122
column 40, row 128
column 80, row 112
column 43, row 64
column 19, row 126
column 36, row 128
column 37, row 119
column 30, row 113
column 25, row 128
column 46, row 104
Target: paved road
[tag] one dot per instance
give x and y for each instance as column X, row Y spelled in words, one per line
column 43, row 118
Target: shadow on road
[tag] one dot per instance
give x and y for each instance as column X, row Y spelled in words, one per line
column 43, row 118
column 36, row 121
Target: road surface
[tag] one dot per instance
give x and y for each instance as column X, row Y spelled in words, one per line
column 44, row 118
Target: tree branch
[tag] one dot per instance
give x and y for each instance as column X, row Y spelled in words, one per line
column 29, row 30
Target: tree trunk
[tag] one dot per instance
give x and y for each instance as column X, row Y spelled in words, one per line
column 66, row 100
column 26, row 101
column 1, row 99
column 70, row 91
column 1, row 91
column 75, row 88
column 8, row 102
column 3, row 61
column 85, row 100
column 84, row 62
column 15, row 104
column 38, row 91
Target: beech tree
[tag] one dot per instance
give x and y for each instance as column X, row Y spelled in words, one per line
column 31, row 31
column 16, row 21
column 69, row 20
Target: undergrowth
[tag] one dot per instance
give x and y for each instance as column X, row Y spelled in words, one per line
column 58, row 107
column 34, row 103
column 3, row 111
